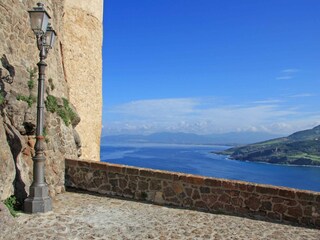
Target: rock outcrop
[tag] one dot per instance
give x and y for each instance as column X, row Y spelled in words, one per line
column 65, row 119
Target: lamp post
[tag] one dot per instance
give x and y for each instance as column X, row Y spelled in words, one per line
column 39, row 200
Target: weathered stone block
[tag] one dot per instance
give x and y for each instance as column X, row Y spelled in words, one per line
column 158, row 198
column 236, row 201
column 114, row 182
column 267, row 190
column 143, row 185
column 253, row 203
column 209, row 199
column 163, row 175
column 116, row 169
column 128, row 193
column 212, row 182
column 224, row 198
column 187, row 202
column 195, row 180
column 196, row 194
column 98, row 166
column 146, row 173
column 132, row 171
column 177, row 187
column 290, row 203
column 233, row 193
column 173, row 201
column 122, row 183
column 290, row 219
column 229, row 208
column 83, row 164
column 251, row 188
column 305, row 196
column 204, row 190
column 201, row 205
column 132, row 185
column 97, row 182
column 274, row 216
column 295, row 212
column 266, row 206
column 287, row 193
column 229, row 185
column 279, row 208
column 155, row 185
column 168, row 192
column 188, row 191
column 277, row 200
column 104, row 188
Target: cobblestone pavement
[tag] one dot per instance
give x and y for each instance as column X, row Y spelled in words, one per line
column 85, row 216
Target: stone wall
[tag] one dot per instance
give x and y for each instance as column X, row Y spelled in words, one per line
column 82, row 51
column 196, row 192
column 18, row 118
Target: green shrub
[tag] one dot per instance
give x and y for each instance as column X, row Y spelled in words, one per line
column 1, row 98
column 65, row 113
column 32, row 72
column 28, row 99
column 70, row 113
column 45, row 134
column 51, row 104
column 12, row 205
column 30, row 84
column 64, row 116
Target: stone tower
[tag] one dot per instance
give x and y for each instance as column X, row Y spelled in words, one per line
column 82, row 57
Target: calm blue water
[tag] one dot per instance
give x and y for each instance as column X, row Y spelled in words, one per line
column 198, row 160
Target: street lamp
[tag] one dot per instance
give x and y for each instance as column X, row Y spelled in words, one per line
column 39, row 200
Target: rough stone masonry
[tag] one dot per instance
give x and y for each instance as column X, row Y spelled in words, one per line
column 72, row 81
column 196, row 192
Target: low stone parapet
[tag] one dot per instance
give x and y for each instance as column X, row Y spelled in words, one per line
column 196, row 192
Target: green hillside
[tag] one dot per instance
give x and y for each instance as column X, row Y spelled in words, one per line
column 300, row 148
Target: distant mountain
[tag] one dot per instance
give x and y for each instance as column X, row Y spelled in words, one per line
column 300, row 148
column 234, row 138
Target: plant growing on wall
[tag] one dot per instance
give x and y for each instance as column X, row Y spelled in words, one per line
column 65, row 112
column 1, row 98
column 31, row 98
column 13, row 205
column 28, row 99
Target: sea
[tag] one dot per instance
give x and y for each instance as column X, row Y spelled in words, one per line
column 200, row 160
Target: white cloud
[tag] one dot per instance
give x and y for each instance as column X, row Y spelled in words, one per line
column 290, row 70
column 287, row 74
column 205, row 116
column 154, row 108
column 300, row 95
column 284, row 77
column 268, row 101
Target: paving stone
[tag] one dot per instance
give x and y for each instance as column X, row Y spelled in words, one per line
column 84, row 216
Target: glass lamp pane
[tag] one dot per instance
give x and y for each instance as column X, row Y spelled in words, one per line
column 39, row 21
column 50, row 37
column 53, row 38
column 36, row 21
column 45, row 22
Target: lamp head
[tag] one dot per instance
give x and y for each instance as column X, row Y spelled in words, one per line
column 39, row 19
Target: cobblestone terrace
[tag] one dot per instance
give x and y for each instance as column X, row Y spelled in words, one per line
column 84, row 216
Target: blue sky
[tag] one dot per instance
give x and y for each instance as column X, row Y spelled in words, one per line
column 211, row 66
